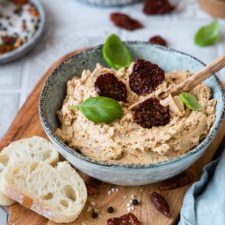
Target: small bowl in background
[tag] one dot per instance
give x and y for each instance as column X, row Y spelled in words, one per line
column 109, row 3
column 215, row 8
column 25, row 48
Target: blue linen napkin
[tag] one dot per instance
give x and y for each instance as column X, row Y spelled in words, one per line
column 204, row 202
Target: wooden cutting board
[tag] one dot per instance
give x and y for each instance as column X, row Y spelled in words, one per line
column 27, row 124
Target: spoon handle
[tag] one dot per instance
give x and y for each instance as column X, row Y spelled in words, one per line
column 196, row 79
column 192, row 81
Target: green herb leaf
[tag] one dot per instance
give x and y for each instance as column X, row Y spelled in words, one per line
column 100, row 109
column 115, row 53
column 190, row 101
column 208, row 35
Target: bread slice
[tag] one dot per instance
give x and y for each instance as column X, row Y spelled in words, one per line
column 29, row 148
column 57, row 193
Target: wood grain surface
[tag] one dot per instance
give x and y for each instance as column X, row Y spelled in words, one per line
column 27, row 124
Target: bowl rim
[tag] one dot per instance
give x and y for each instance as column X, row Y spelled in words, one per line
column 22, row 50
column 107, row 4
column 205, row 142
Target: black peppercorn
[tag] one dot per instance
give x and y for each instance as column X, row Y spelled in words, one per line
column 110, row 209
column 94, row 214
column 135, row 202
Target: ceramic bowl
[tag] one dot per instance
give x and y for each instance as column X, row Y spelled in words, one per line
column 109, row 3
column 215, row 8
column 22, row 50
column 54, row 92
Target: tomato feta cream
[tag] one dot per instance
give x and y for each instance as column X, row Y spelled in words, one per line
column 155, row 131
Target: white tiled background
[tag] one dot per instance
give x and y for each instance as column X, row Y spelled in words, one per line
column 71, row 25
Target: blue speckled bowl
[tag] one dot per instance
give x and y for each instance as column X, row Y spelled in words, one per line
column 22, row 50
column 54, row 92
column 109, row 3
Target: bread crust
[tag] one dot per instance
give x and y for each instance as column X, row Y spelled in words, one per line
column 36, row 204
column 28, row 145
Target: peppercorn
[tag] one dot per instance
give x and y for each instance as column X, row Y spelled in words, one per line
column 135, row 202
column 110, row 209
column 94, row 214
column 36, row 26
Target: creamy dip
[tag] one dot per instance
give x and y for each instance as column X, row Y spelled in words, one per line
column 125, row 142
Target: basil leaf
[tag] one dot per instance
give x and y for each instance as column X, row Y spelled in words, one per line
column 190, row 101
column 100, row 109
column 115, row 53
column 208, row 35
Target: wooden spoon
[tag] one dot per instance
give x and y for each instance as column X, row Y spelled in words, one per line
column 191, row 82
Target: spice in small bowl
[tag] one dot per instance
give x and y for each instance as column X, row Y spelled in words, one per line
column 19, row 22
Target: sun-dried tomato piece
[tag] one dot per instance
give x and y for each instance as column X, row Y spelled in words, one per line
column 178, row 181
column 151, row 113
column 160, row 203
column 93, row 186
column 124, row 21
column 108, row 85
column 158, row 40
column 127, row 219
column 145, row 77
column 153, row 7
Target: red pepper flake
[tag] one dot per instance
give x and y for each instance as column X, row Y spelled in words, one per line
column 158, row 40
column 6, row 48
column 33, row 11
column 19, row 2
column 18, row 42
column 127, row 219
column 154, row 7
column 124, row 21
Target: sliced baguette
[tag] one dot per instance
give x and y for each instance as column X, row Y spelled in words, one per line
column 57, row 193
column 29, row 148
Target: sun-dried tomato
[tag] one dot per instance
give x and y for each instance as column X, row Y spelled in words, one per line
column 152, row 7
column 178, row 181
column 160, row 203
column 124, row 21
column 109, row 86
column 151, row 113
column 158, row 40
column 127, row 219
column 93, row 186
column 145, row 77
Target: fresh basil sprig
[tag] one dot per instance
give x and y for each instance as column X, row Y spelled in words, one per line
column 100, row 109
column 190, row 101
column 208, row 35
column 115, row 53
